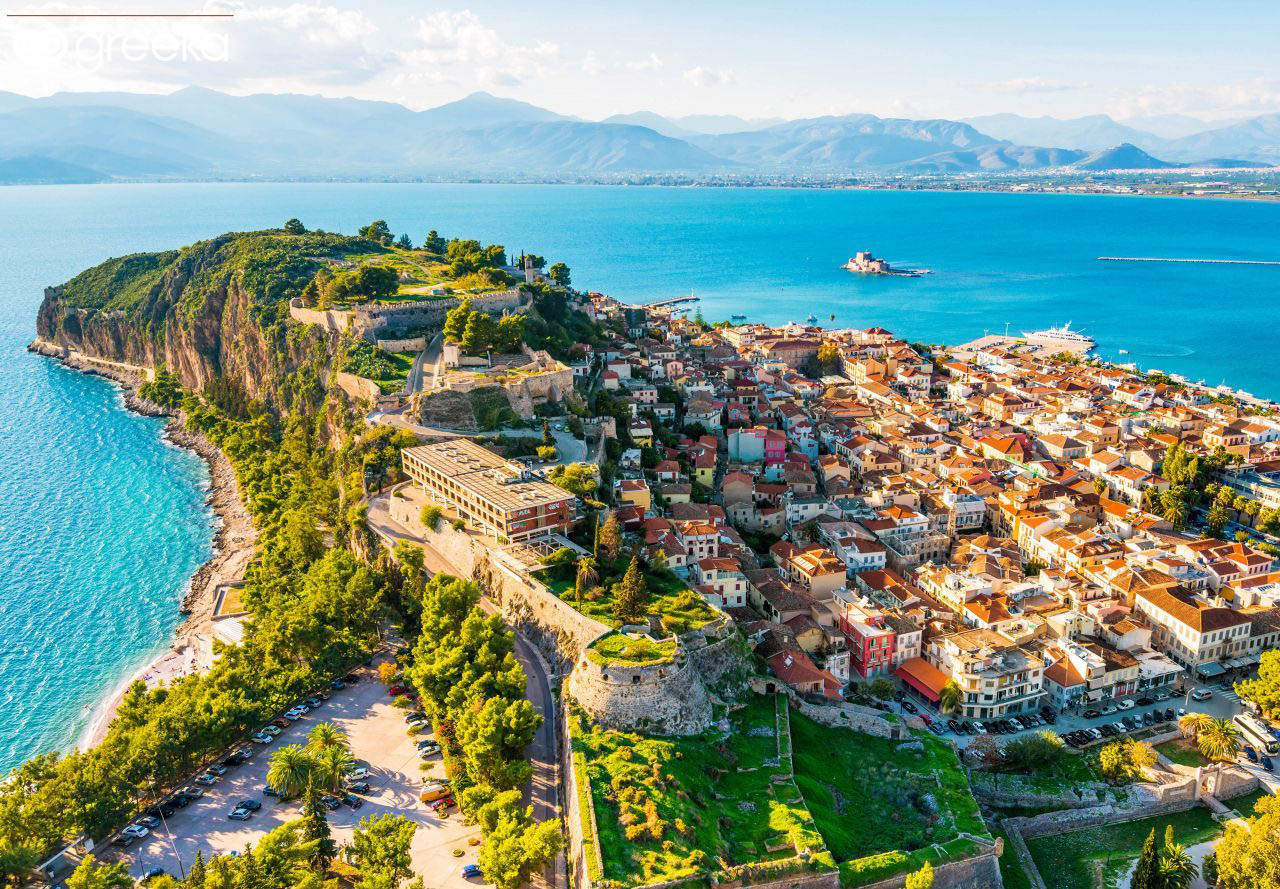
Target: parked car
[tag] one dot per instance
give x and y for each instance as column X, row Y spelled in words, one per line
column 1148, row 718
column 1161, row 695
column 268, row 790
column 351, row 678
column 251, row 804
column 358, row 774
column 1127, row 704
column 272, row 730
column 1168, row 714
column 154, row 873
column 323, row 694
column 330, row 803
column 314, row 702
column 1266, row 763
column 954, row 726
column 124, row 841
column 909, row 707
column 296, row 713
column 262, row 738
column 207, row 780
column 1110, row 710
column 1144, row 701
column 282, row 722
column 218, row 769
column 337, row 685
column 396, row 690
column 193, row 792
column 936, row 728
column 1119, row 727
column 182, row 800
column 358, row 787
column 1092, row 714
column 1201, row 694
column 470, row 871
column 1250, row 754
column 239, row 814
column 433, row 791
column 353, row 801
column 137, row 831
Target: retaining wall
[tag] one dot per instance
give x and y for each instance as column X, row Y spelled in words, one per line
column 979, row 872
column 842, row 715
column 412, row 344
column 330, row 319
column 358, row 387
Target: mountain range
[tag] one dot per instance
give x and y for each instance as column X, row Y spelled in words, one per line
column 198, row 133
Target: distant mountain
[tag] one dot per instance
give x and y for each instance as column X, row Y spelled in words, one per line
column 655, row 122
column 199, row 133
column 842, row 143
column 1090, row 133
column 1256, row 139
column 1122, row 157
column 720, row 124
column 46, row 171
column 1172, row 126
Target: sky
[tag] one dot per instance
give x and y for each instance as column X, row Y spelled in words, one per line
column 908, row 58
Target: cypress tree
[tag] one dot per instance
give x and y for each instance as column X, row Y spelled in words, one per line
column 195, row 876
column 1147, row 874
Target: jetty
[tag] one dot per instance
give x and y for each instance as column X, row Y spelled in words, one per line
column 663, row 303
column 1200, row 261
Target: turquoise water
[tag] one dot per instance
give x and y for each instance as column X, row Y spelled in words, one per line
column 101, row 524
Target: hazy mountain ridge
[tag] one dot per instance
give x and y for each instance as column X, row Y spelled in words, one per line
column 201, row 133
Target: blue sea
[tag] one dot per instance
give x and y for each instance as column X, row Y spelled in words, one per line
column 102, row 524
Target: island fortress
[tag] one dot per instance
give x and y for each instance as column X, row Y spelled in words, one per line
column 864, row 263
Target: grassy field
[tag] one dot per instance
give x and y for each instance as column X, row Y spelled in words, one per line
column 1066, row 861
column 870, row 799
column 670, row 807
column 681, row 609
column 624, row 651
column 1183, row 752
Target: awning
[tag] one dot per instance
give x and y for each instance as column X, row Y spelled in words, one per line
column 923, row 676
column 1211, row 669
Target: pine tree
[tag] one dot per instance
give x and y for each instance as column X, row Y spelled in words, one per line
column 195, row 877
column 251, row 876
column 1147, row 874
column 316, row 829
column 631, row 595
column 455, row 323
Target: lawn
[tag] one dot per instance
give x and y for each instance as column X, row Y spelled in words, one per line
column 671, row 807
column 870, row 799
column 1183, row 752
column 628, row 651
column 680, row 608
column 1066, row 860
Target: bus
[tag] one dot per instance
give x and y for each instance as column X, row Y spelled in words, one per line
column 1256, row 733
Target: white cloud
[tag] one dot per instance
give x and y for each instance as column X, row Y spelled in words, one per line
column 1031, row 85
column 591, row 64
column 708, row 77
column 459, row 39
column 652, row 63
column 1256, row 96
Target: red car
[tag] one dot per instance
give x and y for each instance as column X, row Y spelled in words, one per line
column 397, row 690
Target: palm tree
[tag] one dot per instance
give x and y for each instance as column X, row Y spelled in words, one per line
column 1220, row 740
column 291, row 770
column 1176, row 868
column 949, row 697
column 1193, row 724
column 587, row 577
column 326, row 735
column 331, row 767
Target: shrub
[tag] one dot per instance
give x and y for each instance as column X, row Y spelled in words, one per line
column 459, row 525
column 431, row 516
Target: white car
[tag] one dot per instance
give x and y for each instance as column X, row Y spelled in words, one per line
column 272, row 730
column 1126, row 705
column 1201, row 694
column 262, row 738
column 1110, row 709
column 296, row 713
column 135, row 830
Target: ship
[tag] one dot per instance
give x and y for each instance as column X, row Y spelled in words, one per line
column 738, row 318
column 1060, row 336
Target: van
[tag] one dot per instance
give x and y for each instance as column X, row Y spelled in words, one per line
column 432, row 792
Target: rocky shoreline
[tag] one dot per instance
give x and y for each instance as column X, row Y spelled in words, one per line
column 233, row 539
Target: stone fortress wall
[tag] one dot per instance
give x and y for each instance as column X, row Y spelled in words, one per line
column 668, row 699
column 369, row 321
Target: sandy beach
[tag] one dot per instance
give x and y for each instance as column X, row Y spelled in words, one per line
column 233, row 543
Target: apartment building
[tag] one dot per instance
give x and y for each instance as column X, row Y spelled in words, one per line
column 487, row 491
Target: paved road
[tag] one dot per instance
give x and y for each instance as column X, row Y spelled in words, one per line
column 427, row 358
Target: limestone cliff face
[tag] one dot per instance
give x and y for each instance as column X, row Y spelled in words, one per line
column 199, row 336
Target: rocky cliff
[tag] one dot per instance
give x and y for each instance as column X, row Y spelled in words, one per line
column 218, row 308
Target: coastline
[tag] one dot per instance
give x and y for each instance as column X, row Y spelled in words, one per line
column 190, row 650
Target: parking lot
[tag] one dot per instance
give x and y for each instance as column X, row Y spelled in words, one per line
column 379, row 741
column 1222, row 703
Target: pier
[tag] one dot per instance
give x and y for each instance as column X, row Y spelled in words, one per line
column 1203, row 261
column 664, row 303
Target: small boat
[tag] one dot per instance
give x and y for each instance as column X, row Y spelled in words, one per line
column 737, row 317
column 1124, row 351
column 812, row 319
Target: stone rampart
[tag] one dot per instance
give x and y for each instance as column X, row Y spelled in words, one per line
column 412, row 344
column 370, row 321
column 358, row 387
column 668, row 699
column 840, row 715
column 979, row 872
column 330, row 319
column 560, row 630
